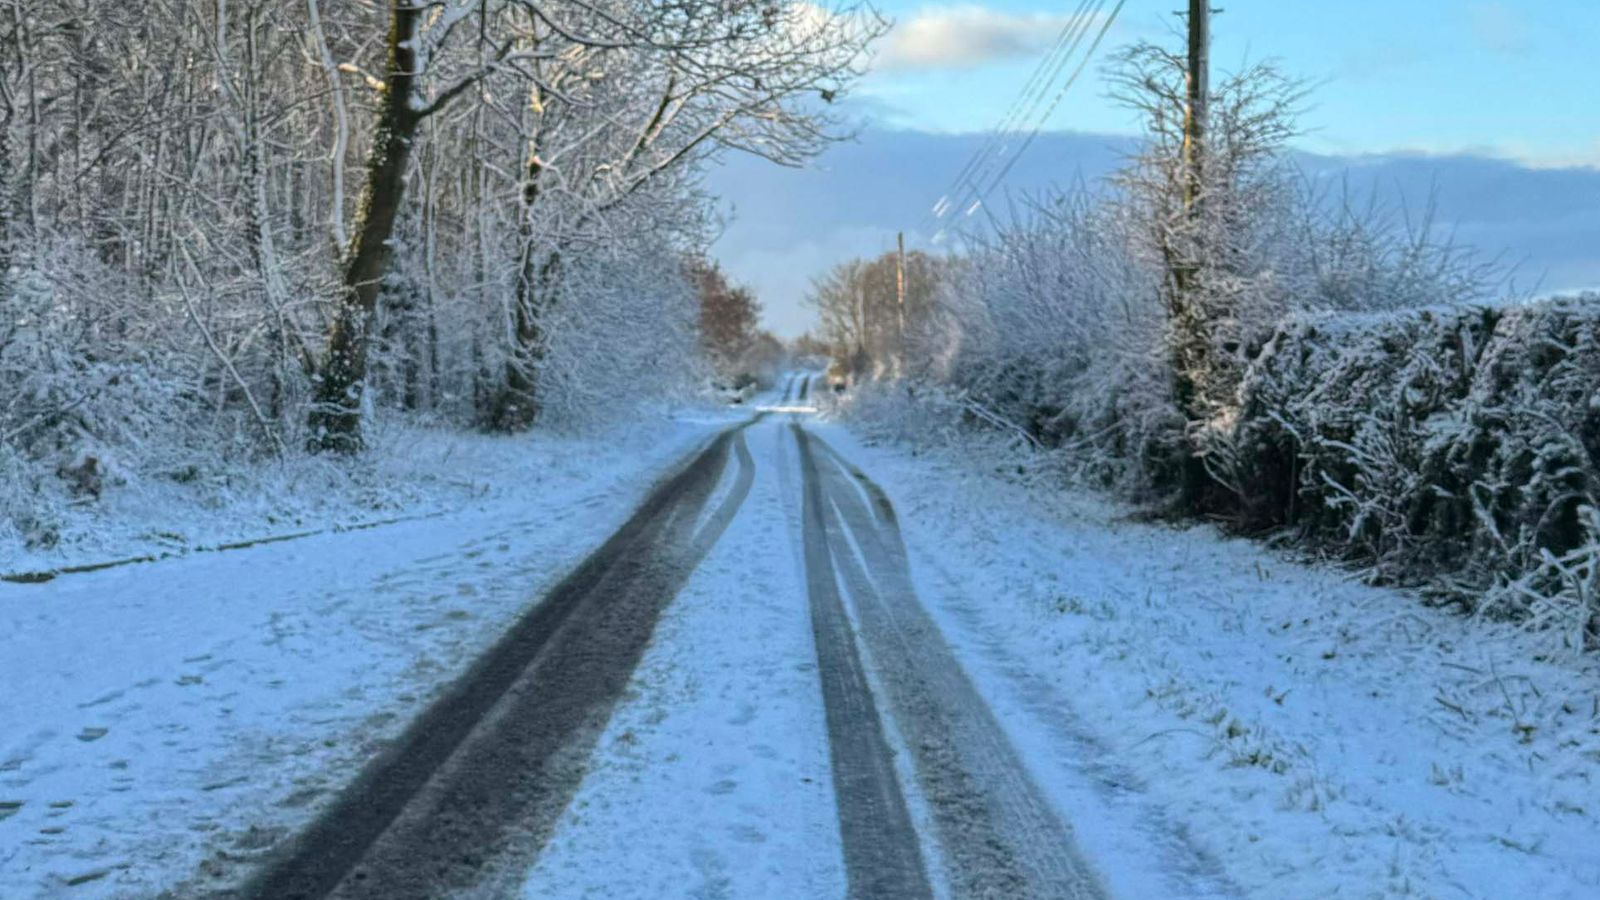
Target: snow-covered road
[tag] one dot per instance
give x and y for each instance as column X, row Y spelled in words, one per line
column 803, row 666
column 164, row 725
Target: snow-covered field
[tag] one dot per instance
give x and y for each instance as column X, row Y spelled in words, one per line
column 1250, row 725
column 168, row 718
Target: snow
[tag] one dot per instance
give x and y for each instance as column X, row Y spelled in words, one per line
column 1213, row 718
column 713, row 780
column 1220, row 720
column 409, row 471
column 168, row 718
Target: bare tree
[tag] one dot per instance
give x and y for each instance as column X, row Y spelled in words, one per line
column 756, row 79
column 238, row 227
column 1216, row 290
column 858, row 303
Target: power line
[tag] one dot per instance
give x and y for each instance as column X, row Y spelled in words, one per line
column 1020, row 111
column 979, row 192
column 1006, row 170
column 984, row 172
column 1078, row 27
column 1036, row 84
column 1026, row 99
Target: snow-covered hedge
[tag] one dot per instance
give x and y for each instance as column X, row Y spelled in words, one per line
column 1457, row 449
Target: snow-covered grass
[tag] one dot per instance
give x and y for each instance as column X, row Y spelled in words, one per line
column 409, row 470
column 172, row 718
column 1219, row 719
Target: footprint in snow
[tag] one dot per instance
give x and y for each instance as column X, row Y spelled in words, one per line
column 22, row 751
column 102, row 700
column 84, row 877
column 715, row 884
column 89, row 734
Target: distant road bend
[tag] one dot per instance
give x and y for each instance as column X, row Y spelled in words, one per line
column 464, row 800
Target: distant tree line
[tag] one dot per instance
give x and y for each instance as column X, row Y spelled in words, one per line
column 740, row 352
column 873, row 314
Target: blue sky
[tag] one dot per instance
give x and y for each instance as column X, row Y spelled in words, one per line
column 1442, row 76
column 1495, row 106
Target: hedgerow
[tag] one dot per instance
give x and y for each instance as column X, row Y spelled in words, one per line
column 1457, row 450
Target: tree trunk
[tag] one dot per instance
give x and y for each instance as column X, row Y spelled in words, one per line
column 7, row 202
column 1189, row 348
column 516, row 406
column 336, row 416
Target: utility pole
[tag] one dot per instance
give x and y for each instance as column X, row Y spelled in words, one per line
column 900, row 299
column 860, row 356
column 1192, row 363
column 1199, row 88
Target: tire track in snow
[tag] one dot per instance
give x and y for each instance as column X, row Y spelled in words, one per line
column 483, row 773
column 999, row 836
column 882, row 856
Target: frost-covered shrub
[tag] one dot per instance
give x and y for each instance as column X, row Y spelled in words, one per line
column 1458, row 449
column 90, row 404
column 1053, row 327
column 623, row 337
column 1328, row 388
column 925, row 414
column 68, row 390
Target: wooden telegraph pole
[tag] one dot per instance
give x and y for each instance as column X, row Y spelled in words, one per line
column 900, row 299
column 1199, row 87
column 1191, row 350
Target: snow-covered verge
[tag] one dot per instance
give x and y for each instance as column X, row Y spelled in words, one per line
column 164, row 720
column 127, row 429
column 409, row 470
column 1251, row 725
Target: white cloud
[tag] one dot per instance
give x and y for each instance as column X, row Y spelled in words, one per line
column 1534, row 156
column 963, row 37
